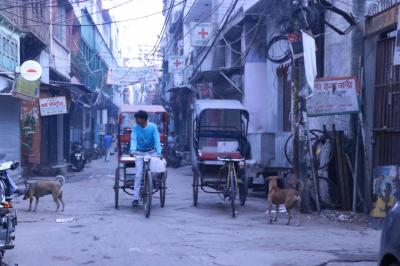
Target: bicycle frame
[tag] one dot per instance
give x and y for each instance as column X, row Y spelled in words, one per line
column 231, row 172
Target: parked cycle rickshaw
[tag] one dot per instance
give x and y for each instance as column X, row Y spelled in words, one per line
column 220, row 148
column 125, row 172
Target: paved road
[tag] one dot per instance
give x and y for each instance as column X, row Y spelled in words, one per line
column 177, row 235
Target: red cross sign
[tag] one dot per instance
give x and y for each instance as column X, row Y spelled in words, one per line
column 177, row 63
column 203, row 33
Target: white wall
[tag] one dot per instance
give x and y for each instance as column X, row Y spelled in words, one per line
column 60, row 58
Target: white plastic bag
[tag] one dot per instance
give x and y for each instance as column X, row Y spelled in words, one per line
column 158, row 165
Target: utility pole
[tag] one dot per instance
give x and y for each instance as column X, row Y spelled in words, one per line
column 300, row 145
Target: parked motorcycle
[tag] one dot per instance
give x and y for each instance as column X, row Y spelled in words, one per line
column 174, row 158
column 77, row 157
column 8, row 215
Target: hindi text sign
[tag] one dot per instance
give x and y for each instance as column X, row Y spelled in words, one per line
column 131, row 75
column 53, row 106
column 333, row 96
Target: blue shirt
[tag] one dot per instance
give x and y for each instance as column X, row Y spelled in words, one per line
column 107, row 141
column 145, row 139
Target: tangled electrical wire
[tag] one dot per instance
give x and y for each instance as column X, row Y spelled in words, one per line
column 303, row 19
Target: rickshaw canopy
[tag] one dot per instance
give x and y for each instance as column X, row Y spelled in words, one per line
column 148, row 108
column 202, row 105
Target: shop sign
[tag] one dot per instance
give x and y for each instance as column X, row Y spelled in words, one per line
column 333, row 96
column 381, row 21
column 53, row 106
column 31, row 70
column 25, row 89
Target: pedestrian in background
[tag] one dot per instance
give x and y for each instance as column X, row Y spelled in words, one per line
column 107, row 143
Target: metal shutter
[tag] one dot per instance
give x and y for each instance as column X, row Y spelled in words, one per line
column 9, row 128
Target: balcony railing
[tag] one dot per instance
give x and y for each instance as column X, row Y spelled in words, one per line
column 376, row 6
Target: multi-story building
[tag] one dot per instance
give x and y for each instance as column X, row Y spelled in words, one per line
column 75, row 43
column 233, row 64
column 24, row 35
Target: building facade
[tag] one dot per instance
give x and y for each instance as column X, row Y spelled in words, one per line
column 236, row 61
column 75, row 44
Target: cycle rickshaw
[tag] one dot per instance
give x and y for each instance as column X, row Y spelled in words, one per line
column 125, row 172
column 220, row 148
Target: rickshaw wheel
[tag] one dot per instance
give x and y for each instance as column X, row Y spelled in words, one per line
column 243, row 190
column 116, row 187
column 232, row 194
column 148, row 192
column 163, row 188
column 195, row 187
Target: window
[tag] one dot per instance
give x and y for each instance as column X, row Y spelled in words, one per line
column 60, row 30
column 8, row 52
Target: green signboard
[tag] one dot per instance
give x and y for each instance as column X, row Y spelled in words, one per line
column 27, row 90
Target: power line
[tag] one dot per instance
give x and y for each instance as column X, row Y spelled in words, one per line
column 164, row 27
column 229, row 13
column 23, row 4
column 181, row 36
column 94, row 24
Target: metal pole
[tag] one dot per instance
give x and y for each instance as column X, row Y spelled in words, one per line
column 300, row 168
column 355, row 172
column 296, row 119
column 303, row 155
column 313, row 168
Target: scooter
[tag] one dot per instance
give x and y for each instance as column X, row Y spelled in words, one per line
column 77, row 157
column 8, row 215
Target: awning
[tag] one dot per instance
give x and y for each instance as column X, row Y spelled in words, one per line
column 147, row 108
column 187, row 88
column 77, row 89
column 6, row 85
column 215, row 74
column 202, row 105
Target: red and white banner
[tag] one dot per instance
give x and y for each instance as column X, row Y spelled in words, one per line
column 201, row 34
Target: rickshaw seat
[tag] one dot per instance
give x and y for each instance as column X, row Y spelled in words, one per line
column 125, row 138
column 212, row 156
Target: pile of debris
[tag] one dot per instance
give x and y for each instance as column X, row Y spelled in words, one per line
column 344, row 217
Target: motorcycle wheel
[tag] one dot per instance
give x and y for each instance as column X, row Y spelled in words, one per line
column 80, row 165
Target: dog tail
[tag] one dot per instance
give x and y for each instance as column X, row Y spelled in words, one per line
column 60, row 179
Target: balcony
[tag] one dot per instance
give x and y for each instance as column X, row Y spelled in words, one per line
column 30, row 18
column 377, row 6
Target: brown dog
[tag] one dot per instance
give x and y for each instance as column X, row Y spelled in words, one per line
column 43, row 188
column 289, row 196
